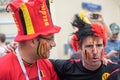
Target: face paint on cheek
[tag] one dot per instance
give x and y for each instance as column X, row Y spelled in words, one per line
column 102, row 55
column 87, row 54
column 42, row 49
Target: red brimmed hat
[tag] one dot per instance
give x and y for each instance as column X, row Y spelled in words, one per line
column 32, row 19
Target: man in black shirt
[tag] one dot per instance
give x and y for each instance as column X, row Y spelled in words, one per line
column 92, row 41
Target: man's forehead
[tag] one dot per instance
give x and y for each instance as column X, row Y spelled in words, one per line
column 50, row 35
column 92, row 39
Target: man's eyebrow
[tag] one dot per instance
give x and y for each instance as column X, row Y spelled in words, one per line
column 88, row 45
column 47, row 38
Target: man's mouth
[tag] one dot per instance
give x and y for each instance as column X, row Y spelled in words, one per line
column 94, row 58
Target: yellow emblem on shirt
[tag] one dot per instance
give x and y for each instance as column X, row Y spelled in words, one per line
column 105, row 76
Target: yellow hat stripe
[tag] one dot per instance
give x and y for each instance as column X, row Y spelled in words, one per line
column 28, row 22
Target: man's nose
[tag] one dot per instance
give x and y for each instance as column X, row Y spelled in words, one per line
column 94, row 49
column 53, row 44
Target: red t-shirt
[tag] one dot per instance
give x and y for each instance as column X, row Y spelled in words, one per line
column 10, row 69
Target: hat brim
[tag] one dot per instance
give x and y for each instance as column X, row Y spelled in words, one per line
column 20, row 38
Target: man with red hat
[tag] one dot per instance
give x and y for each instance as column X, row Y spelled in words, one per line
column 35, row 40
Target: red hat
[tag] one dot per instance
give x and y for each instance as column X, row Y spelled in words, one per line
column 32, row 19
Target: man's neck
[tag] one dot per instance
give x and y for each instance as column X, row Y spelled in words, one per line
column 91, row 67
column 25, row 62
column 26, row 57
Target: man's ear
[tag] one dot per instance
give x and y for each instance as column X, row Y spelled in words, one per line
column 33, row 41
column 79, row 47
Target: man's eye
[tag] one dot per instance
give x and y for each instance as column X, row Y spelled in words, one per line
column 99, row 45
column 89, row 46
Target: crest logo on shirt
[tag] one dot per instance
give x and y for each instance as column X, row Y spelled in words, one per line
column 105, row 76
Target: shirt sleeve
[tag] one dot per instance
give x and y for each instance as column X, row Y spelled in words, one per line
column 59, row 67
column 115, row 75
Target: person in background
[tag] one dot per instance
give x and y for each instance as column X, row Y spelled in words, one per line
column 92, row 40
column 2, row 44
column 113, row 43
column 35, row 39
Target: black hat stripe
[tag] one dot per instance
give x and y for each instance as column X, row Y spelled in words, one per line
column 26, row 19
column 23, row 22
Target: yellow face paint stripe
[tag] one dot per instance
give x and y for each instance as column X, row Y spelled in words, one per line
column 42, row 49
column 86, row 54
column 40, row 46
column 45, row 49
column 28, row 22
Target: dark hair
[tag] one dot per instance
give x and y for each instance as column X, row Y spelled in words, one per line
column 85, row 31
column 2, row 37
column 76, row 21
column 84, row 28
column 76, row 56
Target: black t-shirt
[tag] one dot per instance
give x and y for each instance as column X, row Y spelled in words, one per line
column 74, row 70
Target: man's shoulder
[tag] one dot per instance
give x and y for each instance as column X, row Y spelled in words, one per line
column 66, row 63
column 44, row 63
column 113, row 70
column 63, row 61
column 112, row 66
column 6, row 62
column 7, row 59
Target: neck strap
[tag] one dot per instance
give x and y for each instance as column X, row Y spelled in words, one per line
column 23, row 67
